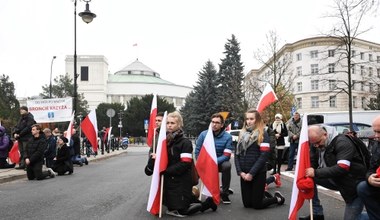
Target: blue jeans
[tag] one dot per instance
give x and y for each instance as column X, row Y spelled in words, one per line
column 292, row 152
column 353, row 209
column 371, row 198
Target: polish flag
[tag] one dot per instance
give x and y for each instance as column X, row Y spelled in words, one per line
column 267, row 98
column 106, row 135
column 303, row 162
column 90, row 129
column 228, row 128
column 207, row 167
column 152, row 121
column 69, row 131
column 160, row 164
column 108, row 132
column 14, row 154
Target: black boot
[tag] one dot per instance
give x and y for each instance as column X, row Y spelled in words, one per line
column 193, row 208
column 315, row 217
column 209, row 204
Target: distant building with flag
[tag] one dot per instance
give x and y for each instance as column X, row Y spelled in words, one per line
column 315, row 72
column 134, row 80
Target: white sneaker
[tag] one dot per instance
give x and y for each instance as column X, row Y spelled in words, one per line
column 175, row 213
column 52, row 173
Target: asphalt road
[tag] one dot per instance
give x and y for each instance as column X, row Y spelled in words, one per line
column 117, row 188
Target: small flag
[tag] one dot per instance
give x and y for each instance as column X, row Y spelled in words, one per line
column 267, row 98
column 152, row 121
column 69, row 131
column 14, row 154
column 90, row 129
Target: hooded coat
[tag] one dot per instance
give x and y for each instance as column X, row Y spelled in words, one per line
column 4, row 143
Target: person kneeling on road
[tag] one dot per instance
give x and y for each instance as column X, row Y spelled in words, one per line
column 62, row 162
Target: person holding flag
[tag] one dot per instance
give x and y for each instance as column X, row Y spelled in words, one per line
column 177, row 181
column 251, row 155
column 336, row 165
column 223, row 147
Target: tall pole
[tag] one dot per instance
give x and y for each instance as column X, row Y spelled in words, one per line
column 75, row 58
column 51, row 73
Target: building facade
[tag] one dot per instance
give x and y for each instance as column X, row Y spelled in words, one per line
column 134, row 80
column 316, row 72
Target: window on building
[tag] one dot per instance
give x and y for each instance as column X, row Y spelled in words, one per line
column 331, row 67
column 332, row 101
column 361, row 55
column 314, row 54
column 299, row 103
column 364, row 103
column 370, row 71
column 299, row 86
column 129, row 72
column 354, row 101
column 370, row 58
column 353, row 67
column 362, row 71
column 331, row 53
column 354, row 84
column 314, row 102
column 353, row 53
column 84, row 73
column 362, row 86
column 332, row 84
column 378, row 72
column 299, row 70
column 370, row 86
column 314, row 69
column 299, row 56
column 314, row 84
column 378, row 59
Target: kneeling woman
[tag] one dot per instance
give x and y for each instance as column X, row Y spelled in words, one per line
column 251, row 155
column 62, row 162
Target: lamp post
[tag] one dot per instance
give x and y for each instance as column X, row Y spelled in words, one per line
column 87, row 16
column 51, row 73
column 80, row 117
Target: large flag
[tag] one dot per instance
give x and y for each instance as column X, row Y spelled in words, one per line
column 14, row 154
column 160, row 164
column 152, row 121
column 303, row 161
column 69, row 131
column 267, row 98
column 207, row 167
column 90, row 129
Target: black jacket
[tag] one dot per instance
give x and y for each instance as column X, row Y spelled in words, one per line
column 375, row 158
column 340, row 148
column 24, row 127
column 177, row 177
column 35, row 149
column 63, row 162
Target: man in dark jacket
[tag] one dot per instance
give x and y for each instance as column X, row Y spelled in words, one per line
column 23, row 133
column 34, row 156
column 369, row 190
column 337, row 165
column 294, row 131
column 51, row 149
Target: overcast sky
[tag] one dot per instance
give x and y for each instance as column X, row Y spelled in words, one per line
column 175, row 37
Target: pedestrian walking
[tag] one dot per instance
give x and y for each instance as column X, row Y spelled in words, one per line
column 280, row 130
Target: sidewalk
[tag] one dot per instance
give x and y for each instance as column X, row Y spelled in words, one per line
column 8, row 175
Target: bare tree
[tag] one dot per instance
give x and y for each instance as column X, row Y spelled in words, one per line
column 349, row 15
column 276, row 70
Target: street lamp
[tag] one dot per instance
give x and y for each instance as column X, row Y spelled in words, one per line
column 87, row 17
column 51, row 73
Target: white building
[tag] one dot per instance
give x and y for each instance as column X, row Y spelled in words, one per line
column 316, row 72
column 134, row 80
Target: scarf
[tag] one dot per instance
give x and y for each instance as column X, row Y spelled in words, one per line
column 170, row 137
column 277, row 126
column 247, row 139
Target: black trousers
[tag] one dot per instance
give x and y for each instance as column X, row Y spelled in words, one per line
column 35, row 171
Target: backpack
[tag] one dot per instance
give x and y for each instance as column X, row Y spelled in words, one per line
column 362, row 149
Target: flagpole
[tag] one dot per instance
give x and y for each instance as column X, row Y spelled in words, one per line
column 201, row 190
column 311, row 209
column 161, row 195
column 154, row 141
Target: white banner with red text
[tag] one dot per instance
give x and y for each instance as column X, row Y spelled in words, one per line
column 51, row 110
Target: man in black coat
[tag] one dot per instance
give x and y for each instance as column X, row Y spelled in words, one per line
column 23, row 133
column 34, row 156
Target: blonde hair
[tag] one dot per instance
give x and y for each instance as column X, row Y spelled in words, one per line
column 178, row 116
column 259, row 125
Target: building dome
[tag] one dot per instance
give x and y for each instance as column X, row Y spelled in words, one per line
column 137, row 68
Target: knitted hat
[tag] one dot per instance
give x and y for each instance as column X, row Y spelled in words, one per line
column 24, row 108
column 278, row 116
column 64, row 139
column 306, row 187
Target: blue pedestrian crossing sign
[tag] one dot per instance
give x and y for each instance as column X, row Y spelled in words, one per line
column 146, row 122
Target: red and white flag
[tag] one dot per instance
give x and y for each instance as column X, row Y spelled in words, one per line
column 152, row 121
column 207, row 167
column 69, row 131
column 14, row 154
column 160, row 164
column 106, row 135
column 267, row 98
column 228, row 128
column 303, row 162
column 90, row 129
